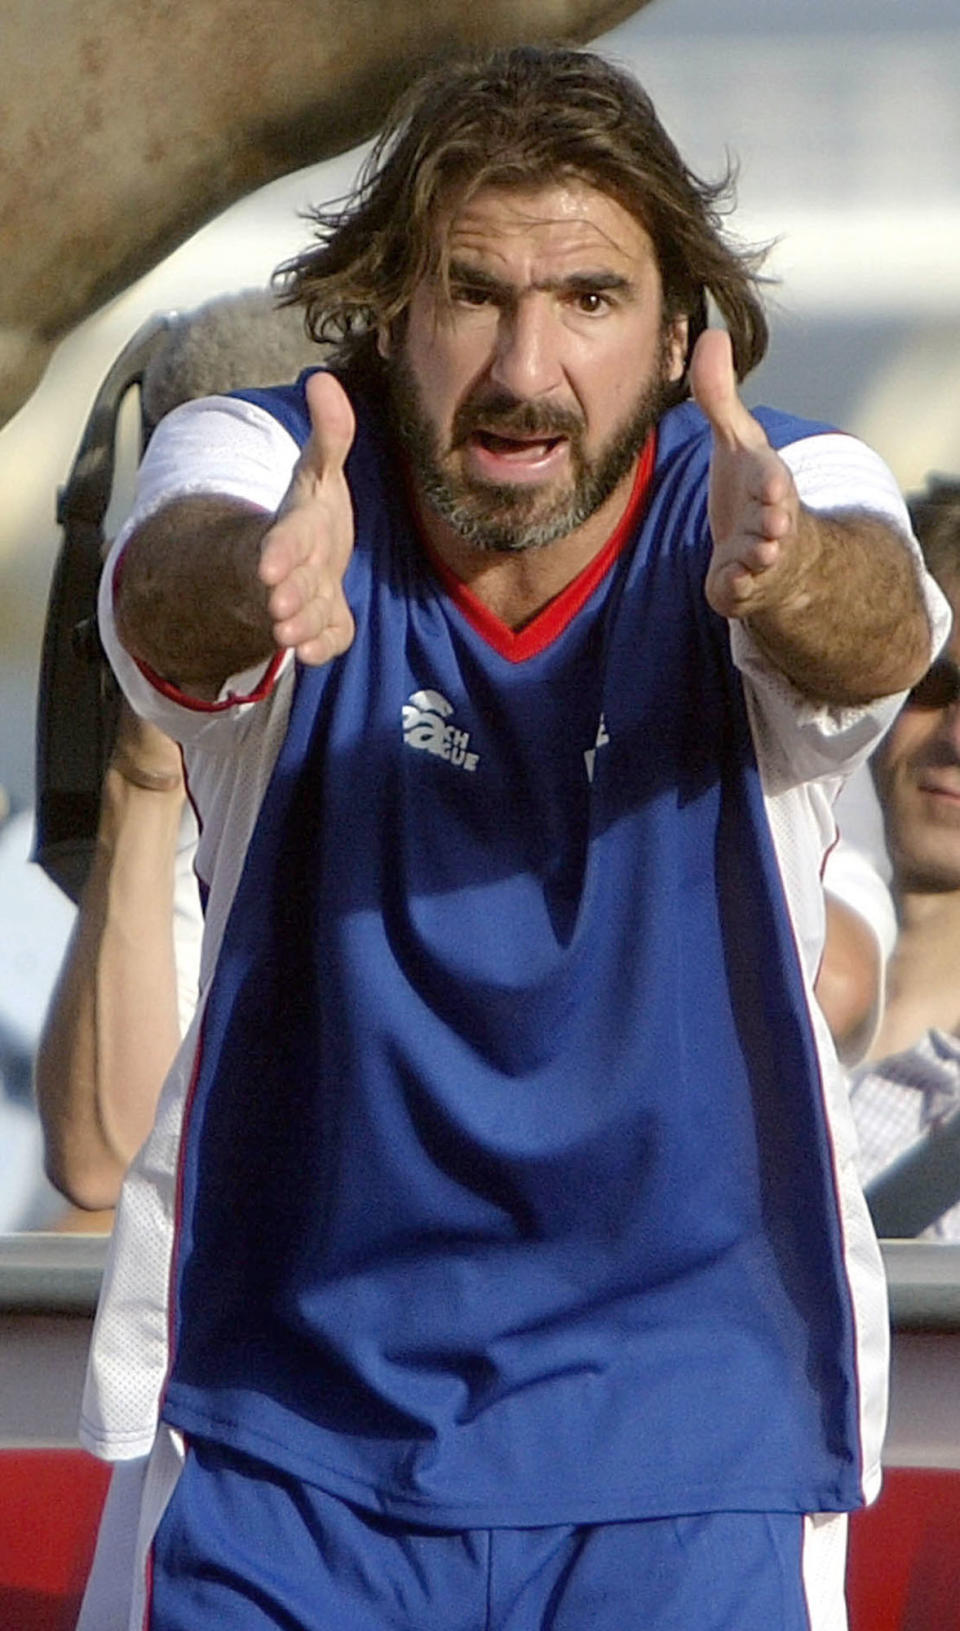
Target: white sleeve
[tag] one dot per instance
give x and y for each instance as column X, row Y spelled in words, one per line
column 799, row 740
column 187, row 919
column 860, row 820
column 222, row 446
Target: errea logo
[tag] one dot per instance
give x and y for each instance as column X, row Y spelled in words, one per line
column 425, row 727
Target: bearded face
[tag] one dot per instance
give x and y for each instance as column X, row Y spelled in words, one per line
column 526, row 377
column 507, row 516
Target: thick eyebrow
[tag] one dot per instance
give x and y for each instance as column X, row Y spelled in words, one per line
column 599, row 282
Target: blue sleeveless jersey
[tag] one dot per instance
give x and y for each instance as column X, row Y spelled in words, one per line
column 506, row 1188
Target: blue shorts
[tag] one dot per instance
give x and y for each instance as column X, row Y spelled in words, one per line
column 243, row 1546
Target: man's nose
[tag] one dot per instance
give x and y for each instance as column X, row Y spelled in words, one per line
column 527, row 355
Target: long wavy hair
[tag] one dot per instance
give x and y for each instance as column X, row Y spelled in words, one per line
column 522, row 118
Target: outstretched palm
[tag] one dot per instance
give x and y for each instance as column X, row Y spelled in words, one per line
column 753, row 504
column 305, row 553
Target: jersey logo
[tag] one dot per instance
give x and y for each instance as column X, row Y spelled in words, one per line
column 590, row 754
column 426, row 727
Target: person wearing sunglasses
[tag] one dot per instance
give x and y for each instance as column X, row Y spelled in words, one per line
column 910, row 1083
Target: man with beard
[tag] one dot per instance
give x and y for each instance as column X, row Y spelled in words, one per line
column 518, row 1271
column 911, row 1085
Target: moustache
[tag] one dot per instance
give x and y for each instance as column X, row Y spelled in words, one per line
column 503, row 415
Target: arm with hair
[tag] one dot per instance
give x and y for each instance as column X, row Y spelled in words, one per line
column 188, row 602
column 112, row 1028
column 210, row 586
column 834, row 600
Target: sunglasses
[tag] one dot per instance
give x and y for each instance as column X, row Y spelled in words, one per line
column 939, row 688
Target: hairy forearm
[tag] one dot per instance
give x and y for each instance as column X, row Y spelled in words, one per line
column 847, row 623
column 188, row 600
column 112, row 1027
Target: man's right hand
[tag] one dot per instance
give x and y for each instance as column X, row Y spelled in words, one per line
column 304, row 555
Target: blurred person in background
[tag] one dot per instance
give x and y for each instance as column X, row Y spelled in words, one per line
column 910, row 1084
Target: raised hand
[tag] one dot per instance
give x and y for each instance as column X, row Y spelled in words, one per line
column 305, row 553
column 755, row 514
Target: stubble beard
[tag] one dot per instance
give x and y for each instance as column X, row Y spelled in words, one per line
column 509, row 518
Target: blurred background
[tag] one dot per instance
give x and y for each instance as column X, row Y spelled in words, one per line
column 845, row 123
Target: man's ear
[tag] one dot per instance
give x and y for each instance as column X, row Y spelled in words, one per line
column 677, row 341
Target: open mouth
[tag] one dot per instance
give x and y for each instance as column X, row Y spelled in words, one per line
column 521, row 449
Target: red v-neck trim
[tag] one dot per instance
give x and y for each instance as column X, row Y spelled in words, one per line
column 542, row 630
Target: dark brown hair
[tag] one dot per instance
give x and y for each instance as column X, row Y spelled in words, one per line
column 935, row 514
column 523, row 118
